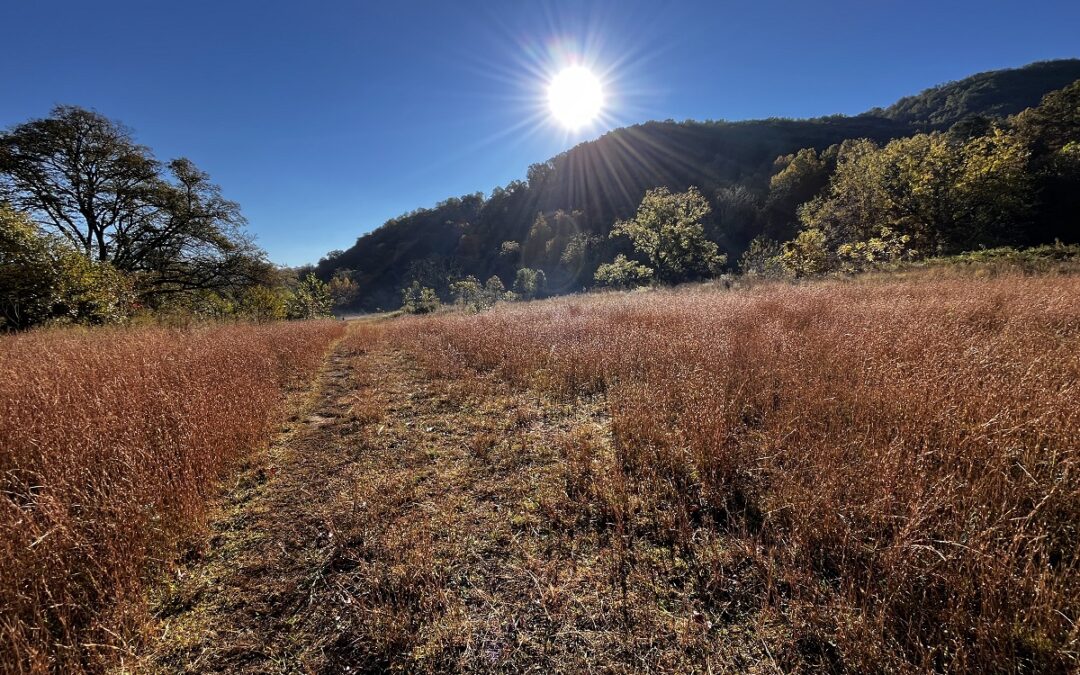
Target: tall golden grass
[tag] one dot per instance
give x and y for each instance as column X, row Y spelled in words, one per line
column 900, row 459
column 111, row 442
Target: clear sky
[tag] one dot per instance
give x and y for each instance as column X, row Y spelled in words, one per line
column 324, row 119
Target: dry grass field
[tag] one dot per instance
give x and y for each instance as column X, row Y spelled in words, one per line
column 885, row 471
column 111, row 443
column 873, row 475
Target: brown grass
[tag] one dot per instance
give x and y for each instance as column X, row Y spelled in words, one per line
column 111, row 442
column 897, row 461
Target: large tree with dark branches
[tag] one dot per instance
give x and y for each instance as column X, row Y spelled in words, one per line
column 82, row 175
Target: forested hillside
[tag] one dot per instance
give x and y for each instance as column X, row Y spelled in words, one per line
column 558, row 219
column 993, row 94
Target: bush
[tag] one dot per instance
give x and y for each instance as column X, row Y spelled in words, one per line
column 807, row 254
column 469, row 293
column 529, row 283
column 763, row 259
column 309, row 300
column 887, row 248
column 1046, row 258
column 263, row 303
column 44, row 280
column 623, row 273
column 417, row 299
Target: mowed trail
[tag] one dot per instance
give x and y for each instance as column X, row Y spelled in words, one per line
column 415, row 523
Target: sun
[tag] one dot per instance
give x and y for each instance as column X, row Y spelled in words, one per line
column 575, row 97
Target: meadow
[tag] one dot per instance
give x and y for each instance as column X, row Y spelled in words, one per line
column 113, row 443
column 883, row 473
column 872, row 474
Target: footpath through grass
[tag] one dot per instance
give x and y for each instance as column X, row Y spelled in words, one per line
column 423, row 523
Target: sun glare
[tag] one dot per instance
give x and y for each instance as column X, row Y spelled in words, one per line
column 575, row 96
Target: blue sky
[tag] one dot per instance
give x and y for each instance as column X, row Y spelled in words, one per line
column 324, row 119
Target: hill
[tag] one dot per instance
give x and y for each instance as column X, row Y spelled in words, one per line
column 558, row 218
column 997, row 93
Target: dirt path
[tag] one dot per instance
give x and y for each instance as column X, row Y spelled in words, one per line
column 414, row 523
column 230, row 607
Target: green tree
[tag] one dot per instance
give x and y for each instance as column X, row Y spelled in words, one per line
column 469, row 293
column 886, row 248
column 510, row 249
column 309, row 300
column 808, row 254
column 623, row 273
column 995, row 192
column 855, row 199
column 799, row 177
column 534, row 248
column 44, row 279
column 529, row 283
column 1054, row 123
column 81, row 176
column 737, row 215
column 763, row 258
column 417, row 299
column 343, row 288
column 1051, row 131
column 263, row 303
column 668, row 231
column 472, row 295
column 434, row 271
column 945, row 195
column 494, row 289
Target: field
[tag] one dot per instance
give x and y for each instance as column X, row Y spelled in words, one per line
column 872, row 475
column 878, row 475
column 112, row 443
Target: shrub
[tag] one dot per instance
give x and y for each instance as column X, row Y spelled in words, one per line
column 417, row 299
column 44, row 280
column 528, row 283
column 807, row 254
column 623, row 273
column 494, row 289
column 262, row 303
column 309, row 300
column 468, row 293
column 763, row 258
column 888, row 247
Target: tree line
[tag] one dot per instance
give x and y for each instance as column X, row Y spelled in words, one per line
column 1014, row 182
